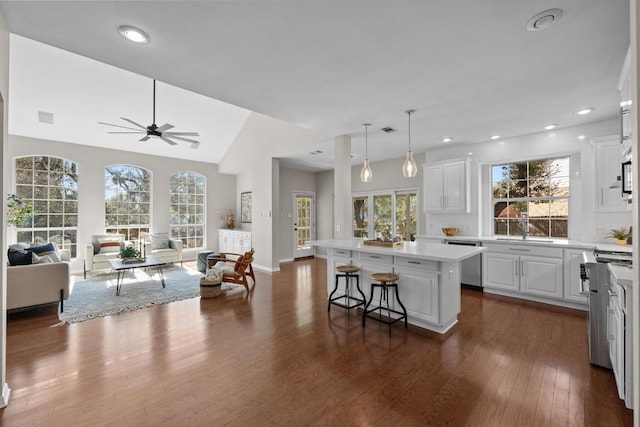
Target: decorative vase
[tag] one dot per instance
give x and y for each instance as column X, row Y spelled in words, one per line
column 231, row 223
column 622, row 242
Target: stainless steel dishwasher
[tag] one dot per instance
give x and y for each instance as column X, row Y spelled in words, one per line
column 470, row 268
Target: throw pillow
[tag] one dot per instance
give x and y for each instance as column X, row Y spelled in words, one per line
column 159, row 241
column 49, row 247
column 109, row 244
column 19, row 257
column 19, row 246
column 36, row 259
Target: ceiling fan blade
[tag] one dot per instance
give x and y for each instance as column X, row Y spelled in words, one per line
column 164, row 127
column 118, row 126
column 195, row 145
column 134, row 123
column 145, row 138
column 179, row 138
column 183, row 133
column 136, row 131
column 167, row 140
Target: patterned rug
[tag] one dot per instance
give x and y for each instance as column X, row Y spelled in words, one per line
column 95, row 296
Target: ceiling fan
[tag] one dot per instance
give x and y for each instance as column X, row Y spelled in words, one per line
column 154, row 130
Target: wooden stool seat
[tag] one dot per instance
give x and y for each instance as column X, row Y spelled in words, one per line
column 385, row 277
column 347, row 269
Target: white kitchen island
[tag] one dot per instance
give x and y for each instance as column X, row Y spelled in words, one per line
column 429, row 275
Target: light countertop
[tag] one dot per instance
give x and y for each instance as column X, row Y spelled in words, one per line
column 622, row 274
column 428, row 251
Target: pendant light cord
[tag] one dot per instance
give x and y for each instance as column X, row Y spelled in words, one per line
column 409, row 114
column 154, row 101
column 366, row 140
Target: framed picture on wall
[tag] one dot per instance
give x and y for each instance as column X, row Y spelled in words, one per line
column 245, row 206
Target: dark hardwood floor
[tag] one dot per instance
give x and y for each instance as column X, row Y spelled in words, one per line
column 274, row 357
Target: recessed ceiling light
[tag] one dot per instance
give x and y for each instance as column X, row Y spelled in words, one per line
column 470, row 153
column 584, row 111
column 447, row 139
column 134, row 34
column 495, row 136
column 581, row 137
column 544, row 19
column 550, row 126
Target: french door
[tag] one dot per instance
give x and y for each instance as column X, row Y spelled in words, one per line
column 304, row 223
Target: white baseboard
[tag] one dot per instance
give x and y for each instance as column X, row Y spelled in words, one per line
column 267, row 269
column 6, row 392
column 286, row 260
column 323, row 256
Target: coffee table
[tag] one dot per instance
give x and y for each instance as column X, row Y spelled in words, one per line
column 120, row 267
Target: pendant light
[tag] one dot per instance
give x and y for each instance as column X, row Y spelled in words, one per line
column 409, row 167
column 365, row 173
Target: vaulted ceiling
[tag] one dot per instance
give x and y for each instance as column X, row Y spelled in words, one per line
column 470, row 69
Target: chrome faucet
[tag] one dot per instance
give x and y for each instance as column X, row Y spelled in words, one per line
column 524, row 223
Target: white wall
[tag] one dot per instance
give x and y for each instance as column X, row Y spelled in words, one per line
column 324, row 208
column 290, row 181
column 588, row 224
column 221, row 189
column 4, row 166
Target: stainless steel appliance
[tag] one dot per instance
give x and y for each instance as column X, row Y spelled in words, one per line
column 594, row 275
column 470, row 268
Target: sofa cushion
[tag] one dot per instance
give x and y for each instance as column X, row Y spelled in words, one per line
column 48, row 248
column 19, row 257
column 109, row 244
column 159, row 241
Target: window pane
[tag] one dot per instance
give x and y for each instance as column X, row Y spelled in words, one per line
column 360, row 217
column 406, row 211
column 186, row 208
column 382, row 216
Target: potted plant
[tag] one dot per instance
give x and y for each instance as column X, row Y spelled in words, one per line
column 129, row 254
column 620, row 234
column 228, row 218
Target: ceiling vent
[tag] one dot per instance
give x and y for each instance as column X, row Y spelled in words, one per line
column 544, row 19
column 388, row 129
column 44, row 117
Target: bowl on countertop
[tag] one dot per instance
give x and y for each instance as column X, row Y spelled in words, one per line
column 450, row 231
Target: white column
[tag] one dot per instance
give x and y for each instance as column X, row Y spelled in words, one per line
column 342, row 224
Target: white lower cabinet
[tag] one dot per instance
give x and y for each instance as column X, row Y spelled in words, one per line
column 525, row 270
column 419, row 293
column 236, row 241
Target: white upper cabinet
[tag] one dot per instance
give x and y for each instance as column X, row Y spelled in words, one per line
column 608, row 167
column 446, row 187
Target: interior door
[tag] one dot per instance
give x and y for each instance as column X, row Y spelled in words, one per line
column 304, row 224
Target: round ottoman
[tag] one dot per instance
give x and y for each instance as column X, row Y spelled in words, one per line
column 202, row 260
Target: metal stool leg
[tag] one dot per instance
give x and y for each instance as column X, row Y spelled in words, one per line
column 331, row 295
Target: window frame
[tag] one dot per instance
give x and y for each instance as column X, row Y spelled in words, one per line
column 187, row 238
column 39, row 234
column 370, row 214
column 532, row 199
column 131, row 231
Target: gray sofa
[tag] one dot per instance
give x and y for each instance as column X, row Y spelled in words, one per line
column 36, row 284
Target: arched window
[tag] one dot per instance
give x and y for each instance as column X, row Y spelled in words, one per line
column 187, row 219
column 127, row 198
column 50, row 186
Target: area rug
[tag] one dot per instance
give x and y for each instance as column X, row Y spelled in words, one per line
column 96, row 296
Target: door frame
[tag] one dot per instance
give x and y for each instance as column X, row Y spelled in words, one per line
column 294, row 220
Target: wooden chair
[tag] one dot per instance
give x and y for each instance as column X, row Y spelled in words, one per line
column 229, row 256
column 236, row 270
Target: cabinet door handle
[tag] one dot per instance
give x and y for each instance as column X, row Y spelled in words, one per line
column 517, row 264
column 520, row 250
column 601, row 196
column 374, row 256
column 522, row 268
column 414, row 262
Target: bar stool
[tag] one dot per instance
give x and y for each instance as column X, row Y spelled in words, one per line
column 386, row 281
column 348, row 272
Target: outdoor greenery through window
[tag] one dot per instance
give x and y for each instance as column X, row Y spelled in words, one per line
column 127, row 195
column 394, row 215
column 538, row 188
column 187, row 218
column 50, row 186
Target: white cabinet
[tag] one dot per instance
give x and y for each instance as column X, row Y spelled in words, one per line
column 446, row 187
column 236, row 241
column 608, row 167
column 527, row 270
column 572, row 281
column 419, row 293
column 499, row 271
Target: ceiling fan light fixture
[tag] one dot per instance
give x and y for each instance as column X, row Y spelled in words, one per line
column 134, row 34
column 366, row 174
column 409, row 167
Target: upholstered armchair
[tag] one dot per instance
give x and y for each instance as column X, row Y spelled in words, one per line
column 160, row 246
column 102, row 248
